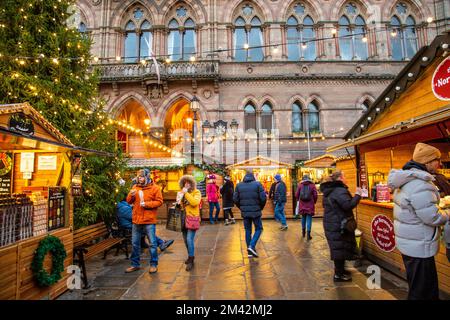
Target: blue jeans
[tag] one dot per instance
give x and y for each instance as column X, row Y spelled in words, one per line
column 252, row 241
column 188, row 236
column 306, row 222
column 213, row 205
column 279, row 213
column 150, row 231
column 159, row 241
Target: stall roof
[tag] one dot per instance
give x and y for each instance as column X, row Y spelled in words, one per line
column 322, row 157
column 153, row 162
column 13, row 140
column 259, row 161
column 29, row 111
column 406, row 77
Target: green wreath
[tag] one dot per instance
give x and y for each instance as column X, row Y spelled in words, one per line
column 54, row 245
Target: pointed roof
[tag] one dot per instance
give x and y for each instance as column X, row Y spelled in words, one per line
column 260, row 161
column 37, row 118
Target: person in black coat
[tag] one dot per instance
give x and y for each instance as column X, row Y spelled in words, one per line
column 338, row 204
column 227, row 191
column 250, row 197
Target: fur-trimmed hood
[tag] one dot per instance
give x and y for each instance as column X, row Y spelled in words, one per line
column 190, row 179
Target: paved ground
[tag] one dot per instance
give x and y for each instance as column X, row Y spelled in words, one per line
column 289, row 267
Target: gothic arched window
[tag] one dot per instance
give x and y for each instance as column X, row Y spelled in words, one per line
column 248, row 36
column 266, row 116
column 138, row 37
column 313, row 117
column 300, row 35
column 297, row 117
column 352, row 35
column 250, row 116
column 403, row 33
column 182, row 36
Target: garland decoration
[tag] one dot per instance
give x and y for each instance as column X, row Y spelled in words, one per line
column 53, row 245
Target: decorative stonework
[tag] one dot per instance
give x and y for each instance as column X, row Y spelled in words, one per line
column 207, row 93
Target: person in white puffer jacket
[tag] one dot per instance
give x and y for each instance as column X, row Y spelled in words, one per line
column 417, row 218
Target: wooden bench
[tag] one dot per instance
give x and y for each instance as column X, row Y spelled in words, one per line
column 92, row 240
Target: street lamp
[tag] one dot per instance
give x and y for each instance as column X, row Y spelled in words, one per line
column 195, row 107
column 234, row 125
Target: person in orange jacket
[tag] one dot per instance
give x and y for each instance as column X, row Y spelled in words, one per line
column 146, row 197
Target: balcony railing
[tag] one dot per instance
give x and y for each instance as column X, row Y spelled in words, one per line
column 173, row 70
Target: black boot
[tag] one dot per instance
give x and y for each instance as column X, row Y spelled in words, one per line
column 303, row 232
column 190, row 264
column 309, row 236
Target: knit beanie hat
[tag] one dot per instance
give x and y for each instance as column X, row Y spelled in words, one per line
column 278, row 177
column 424, row 153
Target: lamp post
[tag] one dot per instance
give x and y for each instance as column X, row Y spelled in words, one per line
column 206, row 126
column 234, row 125
column 195, row 107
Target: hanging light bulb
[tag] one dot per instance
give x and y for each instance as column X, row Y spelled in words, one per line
column 246, row 46
column 364, row 39
column 304, row 46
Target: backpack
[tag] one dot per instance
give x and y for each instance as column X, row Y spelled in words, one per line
column 305, row 193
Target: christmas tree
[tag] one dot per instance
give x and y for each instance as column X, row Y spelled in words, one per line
column 45, row 61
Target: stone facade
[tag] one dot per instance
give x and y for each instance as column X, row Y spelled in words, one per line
column 224, row 86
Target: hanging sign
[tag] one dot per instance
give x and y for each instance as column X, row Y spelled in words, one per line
column 6, row 169
column 199, row 175
column 19, row 122
column 27, row 162
column 441, row 80
column 383, row 233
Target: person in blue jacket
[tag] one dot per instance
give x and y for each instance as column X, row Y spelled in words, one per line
column 124, row 214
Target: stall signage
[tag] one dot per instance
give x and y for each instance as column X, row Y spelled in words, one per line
column 6, row 169
column 47, row 162
column 383, row 233
column 441, row 80
column 383, row 194
column 27, row 162
column 19, row 122
column 56, row 207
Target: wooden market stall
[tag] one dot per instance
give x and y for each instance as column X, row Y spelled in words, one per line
column 318, row 169
column 413, row 108
column 347, row 164
column 264, row 170
column 37, row 184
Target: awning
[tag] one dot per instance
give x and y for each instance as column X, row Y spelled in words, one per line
column 12, row 140
column 260, row 162
column 155, row 162
column 398, row 128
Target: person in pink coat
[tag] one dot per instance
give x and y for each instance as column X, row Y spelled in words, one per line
column 212, row 193
column 306, row 196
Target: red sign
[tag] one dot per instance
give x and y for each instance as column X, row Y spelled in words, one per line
column 441, row 80
column 383, row 233
column 383, row 194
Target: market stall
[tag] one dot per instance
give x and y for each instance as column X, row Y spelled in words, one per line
column 413, row 108
column 264, row 170
column 38, row 178
column 318, row 169
column 347, row 164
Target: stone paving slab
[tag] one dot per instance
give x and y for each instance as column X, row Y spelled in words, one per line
column 289, row 267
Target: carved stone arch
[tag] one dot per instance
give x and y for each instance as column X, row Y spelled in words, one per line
column 229, row 14
column 417, row 8
column 315, row 12
column 116, row 106
column 121, row 11
column 87, row 14
column 339, row 7
column 315, row 97
column 298, row 98
column 363, row 98
column 170, row 100
column 197, row 10
column 246, row 100
column 269, row 99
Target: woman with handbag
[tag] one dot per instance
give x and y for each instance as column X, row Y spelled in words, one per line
column 189, row 198
column 339, row 223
